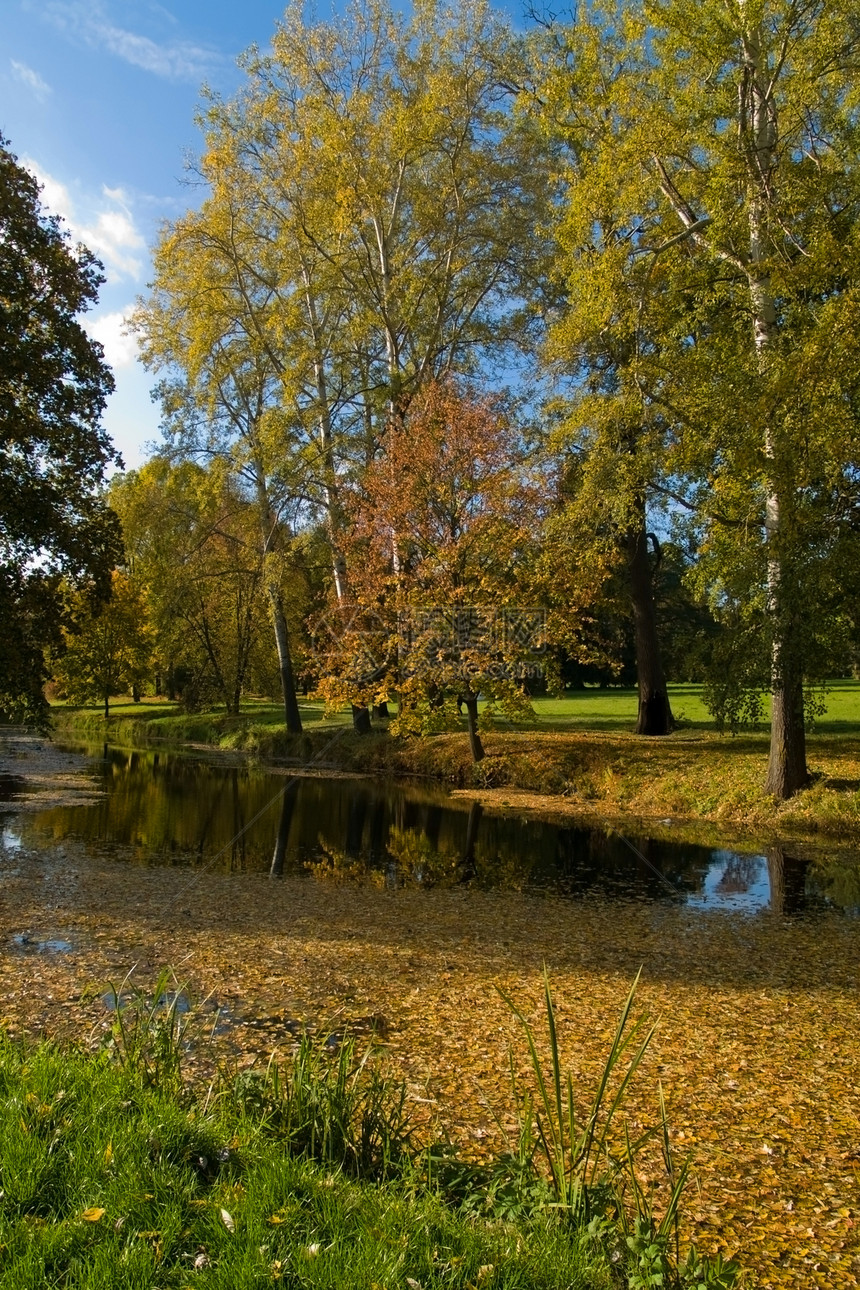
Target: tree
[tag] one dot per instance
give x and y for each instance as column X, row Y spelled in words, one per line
column 374, row 203
column 192, row 537
column 444, row 535
column 155, row 536
column 108, row 650
column 611, row 438
column 726, row 139
column 54, row 521
column 221, row 396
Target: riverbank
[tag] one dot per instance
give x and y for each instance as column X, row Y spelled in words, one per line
column 35, row 773
column 694, row 780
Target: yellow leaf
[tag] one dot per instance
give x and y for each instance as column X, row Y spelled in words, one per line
column 108, row 1153
column 92, row 1215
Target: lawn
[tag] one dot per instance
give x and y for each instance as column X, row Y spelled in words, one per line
column 616, row 709
column 591, row 708
column 117, row 1178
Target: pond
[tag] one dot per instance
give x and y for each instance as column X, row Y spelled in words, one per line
column 178, row 810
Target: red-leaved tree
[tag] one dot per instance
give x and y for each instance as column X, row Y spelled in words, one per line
column 443, row 540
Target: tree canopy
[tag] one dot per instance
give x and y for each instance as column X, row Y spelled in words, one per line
column 710, row 237
column 657, row 211
column 54, row 521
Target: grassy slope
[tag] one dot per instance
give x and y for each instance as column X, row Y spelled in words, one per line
column 579, row 755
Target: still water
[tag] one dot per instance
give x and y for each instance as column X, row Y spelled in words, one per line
column 171, row 809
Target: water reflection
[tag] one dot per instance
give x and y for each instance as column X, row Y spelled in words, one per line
column 11, row 786
column 174, row 810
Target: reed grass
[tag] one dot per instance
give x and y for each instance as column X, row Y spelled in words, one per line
column 337, row 1108
column 593, row 1183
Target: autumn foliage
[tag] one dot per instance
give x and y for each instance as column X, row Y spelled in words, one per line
column 442, row 539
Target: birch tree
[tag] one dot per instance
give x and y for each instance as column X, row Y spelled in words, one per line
column 203, row 327
column 728, row 135
column 387, row 200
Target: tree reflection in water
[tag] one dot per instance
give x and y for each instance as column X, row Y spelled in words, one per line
column 163, row 808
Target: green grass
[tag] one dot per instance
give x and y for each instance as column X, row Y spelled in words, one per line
column 589, row 709
column 159, row 721
column 110, row 1183
column 616, row 709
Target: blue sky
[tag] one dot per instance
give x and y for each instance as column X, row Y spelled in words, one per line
column 97, row 97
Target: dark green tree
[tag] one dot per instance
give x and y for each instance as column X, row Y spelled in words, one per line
column 109, row 648
column 53, row 451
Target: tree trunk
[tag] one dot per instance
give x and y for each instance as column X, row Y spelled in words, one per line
column 786, row 767
column 786, row 771
column 655, row 713
column 107, row 705
column 292, row 716
column 471, row 702
column 361, row 719
column 758, row 136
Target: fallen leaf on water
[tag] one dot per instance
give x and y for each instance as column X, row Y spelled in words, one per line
column 757, row 1042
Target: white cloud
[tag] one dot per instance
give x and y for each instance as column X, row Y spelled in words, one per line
column 107, row 228
column 114, row 239
column 177, row 60
column 31, row 79
column 111, row 330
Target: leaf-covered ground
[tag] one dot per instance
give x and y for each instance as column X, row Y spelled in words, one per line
column 757, row 1047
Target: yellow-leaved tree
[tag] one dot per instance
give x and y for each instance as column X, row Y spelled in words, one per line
column 711, row 251
column 371, row 206
column 108, row 646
